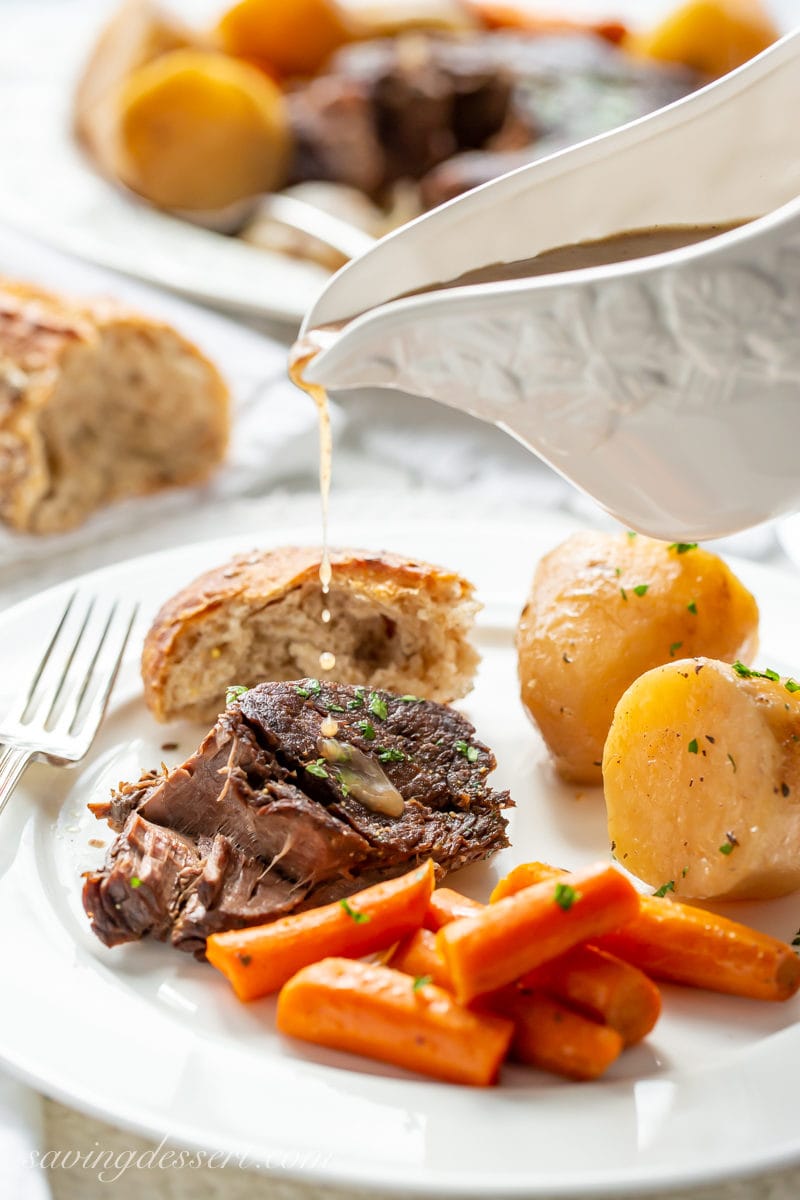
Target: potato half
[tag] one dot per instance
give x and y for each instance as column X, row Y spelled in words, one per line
column 702, row 781
column 603, row 609
column 292, row 37
column 197, row 130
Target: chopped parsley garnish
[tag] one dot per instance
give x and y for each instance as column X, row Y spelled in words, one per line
column 749, row 673
column 422, row 981
column 692, row 607
column 675, row 646
column 470, row 752
column 334, row 707
column 377, row 707
column 411, row 699
column 391, row 755
column 623, row 593
column 792, row 686
column 135, row 881
column 366, row 729
column 617, row 571
column 726, row 848
column 732, row 761
column 314, row 688
column 565, row 896
column 684, row 872
column 233, row 693
column 356, row 702
column 669, row 886
column 693, row 747
column 631, row 534
column 360, row 918
column 318, row 768
column 682, row 547
column 340, row 779
column 641, row 589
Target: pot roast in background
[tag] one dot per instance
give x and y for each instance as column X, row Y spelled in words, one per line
column 258, row 824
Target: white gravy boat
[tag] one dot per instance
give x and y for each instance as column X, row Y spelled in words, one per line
column 667, row 388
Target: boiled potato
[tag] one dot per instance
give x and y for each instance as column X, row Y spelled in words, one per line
column 293, row 37
column 713, row 36
column 197, row 130
column 702, row 781
column 137, row 34
column 603, row 609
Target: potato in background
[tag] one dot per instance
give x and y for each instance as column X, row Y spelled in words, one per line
column 292, row 37
column 198, row 130
column 138, row 33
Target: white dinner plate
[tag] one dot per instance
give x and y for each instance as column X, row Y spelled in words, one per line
column 152, row 1040
column 48, row 188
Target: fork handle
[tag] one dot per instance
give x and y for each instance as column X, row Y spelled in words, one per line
column 13, row 762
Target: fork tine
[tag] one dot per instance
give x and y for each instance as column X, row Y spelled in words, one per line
column 69, row 719
column 22, row 712
column 94, row 713
column 61, row 681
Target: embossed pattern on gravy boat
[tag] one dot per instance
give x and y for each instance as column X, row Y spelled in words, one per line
column 667, row 387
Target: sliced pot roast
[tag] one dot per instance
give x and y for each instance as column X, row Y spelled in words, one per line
column 301, row 794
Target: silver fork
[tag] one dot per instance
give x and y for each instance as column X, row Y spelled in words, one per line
column 56, row 719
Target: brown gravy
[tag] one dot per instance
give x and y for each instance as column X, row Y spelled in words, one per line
column 619, row 247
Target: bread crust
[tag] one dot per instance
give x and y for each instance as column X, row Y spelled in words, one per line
column 261, row 578
column 40, row 335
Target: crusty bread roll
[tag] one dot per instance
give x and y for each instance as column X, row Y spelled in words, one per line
column 396, row 623
column 97, row 403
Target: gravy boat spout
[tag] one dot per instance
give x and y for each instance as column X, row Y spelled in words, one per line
column 666, row 387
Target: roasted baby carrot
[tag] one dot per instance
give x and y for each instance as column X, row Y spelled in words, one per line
column 417, row 955
column 372, row 1010
column 525, row 875
column 681, row 944
column 598, row 984
column 445, row 906
column 507, row 939
column 553, row 1037
column 604, row 987
column 496, row 15
column 547, row 1033
column 259, row 960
